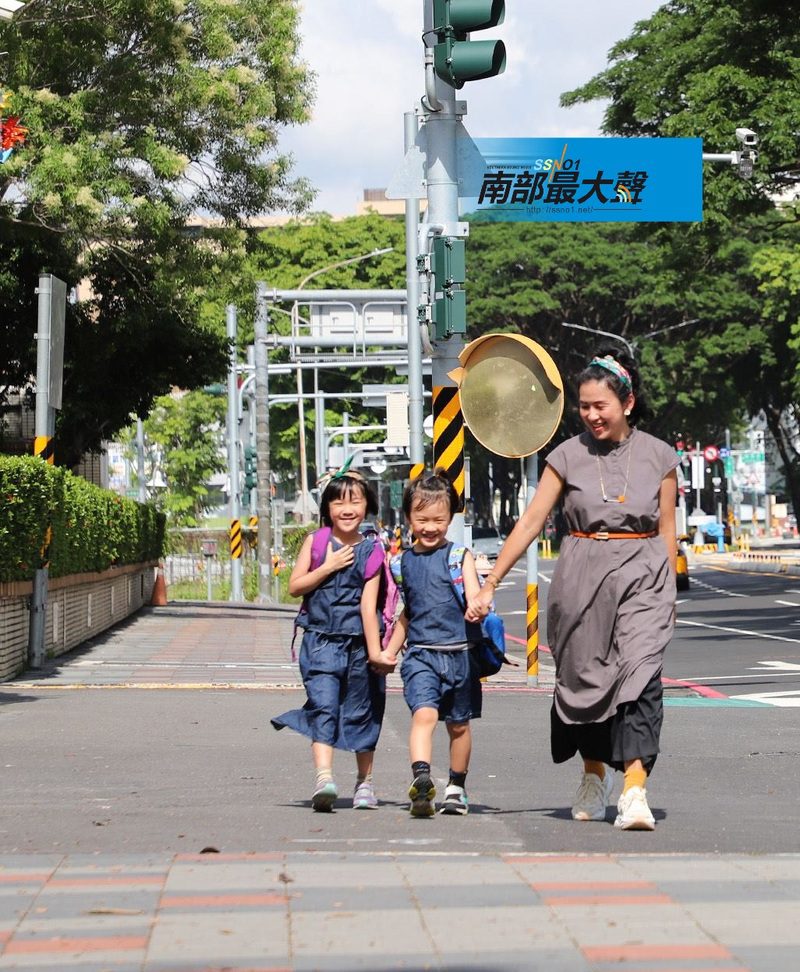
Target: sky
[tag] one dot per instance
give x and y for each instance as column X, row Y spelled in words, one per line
column 367, row 55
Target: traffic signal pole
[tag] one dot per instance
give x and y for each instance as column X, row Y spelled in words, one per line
column 416, row 446
column 232, row 428
column 263, row 470
column 442, row 220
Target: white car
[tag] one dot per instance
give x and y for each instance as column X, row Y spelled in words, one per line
column 486, row 542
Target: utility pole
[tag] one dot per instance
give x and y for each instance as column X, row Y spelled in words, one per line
column 140, row 473
column 416, row 447
column 450, row 62
column 233, row 458
column 263, row 472
column 52, row 294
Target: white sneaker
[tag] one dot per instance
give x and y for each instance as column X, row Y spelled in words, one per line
column 591, row 799
column 633, row 811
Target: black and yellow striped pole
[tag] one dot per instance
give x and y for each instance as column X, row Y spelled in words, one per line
column 416, row 471
column 44, row 448
column 235, row 535
column 532, row 631
column 448, row 435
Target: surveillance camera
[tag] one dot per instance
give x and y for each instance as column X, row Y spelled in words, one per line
column 746, row 136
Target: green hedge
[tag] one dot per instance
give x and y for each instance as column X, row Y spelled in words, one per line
column 93, row 528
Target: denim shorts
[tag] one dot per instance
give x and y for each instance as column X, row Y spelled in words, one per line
column 443, row 680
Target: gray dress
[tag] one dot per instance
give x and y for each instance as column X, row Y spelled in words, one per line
column 610, row 606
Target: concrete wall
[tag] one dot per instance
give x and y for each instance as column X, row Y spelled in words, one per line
column 78, row 608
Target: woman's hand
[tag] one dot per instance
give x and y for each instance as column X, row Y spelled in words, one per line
column 479, row 605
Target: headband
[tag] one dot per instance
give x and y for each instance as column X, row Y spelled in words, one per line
column 612, row 365
column 328, row 478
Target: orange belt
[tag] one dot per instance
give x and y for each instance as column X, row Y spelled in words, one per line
column 605, row 535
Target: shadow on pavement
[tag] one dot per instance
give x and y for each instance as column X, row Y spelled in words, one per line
column 11, row 698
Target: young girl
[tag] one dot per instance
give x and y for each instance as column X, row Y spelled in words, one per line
column 439, row 680
column 340, row 656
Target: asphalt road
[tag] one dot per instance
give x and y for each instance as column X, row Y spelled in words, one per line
column 123, row 769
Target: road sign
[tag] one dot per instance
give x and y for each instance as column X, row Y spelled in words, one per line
column 710, row 453
column 589, row 180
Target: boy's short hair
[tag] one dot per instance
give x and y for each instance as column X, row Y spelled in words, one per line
column 339, row 486
column 430, row 489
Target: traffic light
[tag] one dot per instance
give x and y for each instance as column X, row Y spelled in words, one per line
column 250, row 480
column 456, row 59
column 448, row 269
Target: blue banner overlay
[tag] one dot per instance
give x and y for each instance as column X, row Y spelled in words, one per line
column 588, row 180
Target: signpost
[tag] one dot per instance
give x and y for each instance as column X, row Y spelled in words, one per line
column 52, row 294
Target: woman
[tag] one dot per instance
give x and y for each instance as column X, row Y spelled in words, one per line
column 612, row 600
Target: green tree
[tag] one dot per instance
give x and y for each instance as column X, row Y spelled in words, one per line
column 187, row 432
column 703, row 68
column 138, row 114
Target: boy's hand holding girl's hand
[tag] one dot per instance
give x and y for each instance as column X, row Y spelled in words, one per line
column 479, row 605
column 383, row 663
column 339, row 559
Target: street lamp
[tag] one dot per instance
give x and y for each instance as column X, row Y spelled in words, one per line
column 301, row 420
column 632, row 346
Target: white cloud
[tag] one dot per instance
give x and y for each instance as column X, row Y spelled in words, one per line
column 368, row 58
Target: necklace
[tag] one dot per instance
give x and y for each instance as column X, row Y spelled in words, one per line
column 621, row 497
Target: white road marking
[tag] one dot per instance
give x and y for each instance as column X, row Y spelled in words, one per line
column 782, row 700
column 739, row 631
column 788, row 603
column 727, row 678
column 780, row 665
column 778, row 668
column 715, row 590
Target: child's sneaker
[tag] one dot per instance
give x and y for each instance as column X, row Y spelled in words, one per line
column 633, row 811
column 591, row 799
column 364, row 796
column 455, row 800
column 324, row 797
column 422, row 793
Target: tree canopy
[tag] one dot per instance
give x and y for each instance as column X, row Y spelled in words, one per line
column 704, row 68
column 139, row 113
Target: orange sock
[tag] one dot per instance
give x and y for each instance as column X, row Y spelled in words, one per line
column 635, row 776
column 596, row 767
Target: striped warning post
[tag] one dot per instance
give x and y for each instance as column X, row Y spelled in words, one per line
column 236, row 539
column 416, row 471
column 252, row 532
column 532, row 628
column 448, row 436
column 43, row 448
column 44, row 551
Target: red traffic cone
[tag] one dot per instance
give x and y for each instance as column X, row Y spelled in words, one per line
column 159, row 596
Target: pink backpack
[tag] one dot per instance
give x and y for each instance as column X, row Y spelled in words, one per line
column 388, row 594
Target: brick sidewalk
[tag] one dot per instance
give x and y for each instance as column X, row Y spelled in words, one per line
column 213, row 645
column 400, row 910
